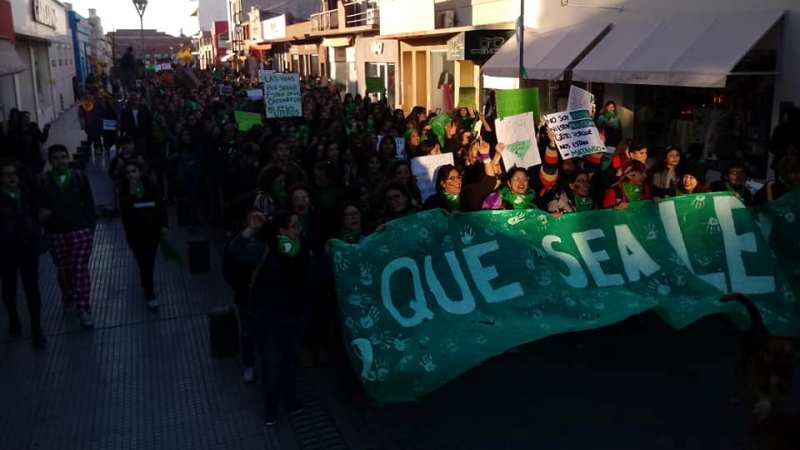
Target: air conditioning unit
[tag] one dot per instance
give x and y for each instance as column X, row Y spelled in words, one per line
column 446, row 19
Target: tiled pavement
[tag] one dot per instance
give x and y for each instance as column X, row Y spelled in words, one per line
column 140, row 380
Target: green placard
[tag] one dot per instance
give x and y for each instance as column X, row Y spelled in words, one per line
column 466, row 97
column 434, row 295
column 375, row 85
column 511, row 102
column 247, row 120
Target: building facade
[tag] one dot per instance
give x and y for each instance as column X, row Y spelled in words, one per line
column 81, row 32
column 157, row 45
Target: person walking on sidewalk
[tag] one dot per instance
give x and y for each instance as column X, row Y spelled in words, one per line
column 144, row 218
column 21, row 241
column 69, row 220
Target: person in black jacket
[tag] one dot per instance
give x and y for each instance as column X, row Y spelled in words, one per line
column 788, row 180
column 20, row 239
column 280, row 303
column 144, row 218
column 69, row 219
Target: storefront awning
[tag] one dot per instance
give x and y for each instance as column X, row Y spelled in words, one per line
column 547, row 55
column 9, row 59
column 693, row 51
column 337, row 42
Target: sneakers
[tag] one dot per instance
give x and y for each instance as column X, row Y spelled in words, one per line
column 249, row 375
column 152, row 304
column 86, row 320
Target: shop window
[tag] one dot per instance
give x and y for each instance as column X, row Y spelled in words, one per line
column 442, row 81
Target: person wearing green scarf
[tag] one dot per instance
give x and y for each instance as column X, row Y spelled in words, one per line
column 574, row 196
column 630, row 187
column 514, row 195
column 20, row 241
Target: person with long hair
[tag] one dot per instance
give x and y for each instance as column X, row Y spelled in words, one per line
column 574, row 195
column 144, row 218
column 609, row 124
column 666, row 173
column 630, row 187
column 516, row 194
column 21, row 241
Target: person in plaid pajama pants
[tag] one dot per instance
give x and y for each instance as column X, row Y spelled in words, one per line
column 68, row 216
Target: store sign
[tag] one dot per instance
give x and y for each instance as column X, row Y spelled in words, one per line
column 44, row 12
column 476, row 45
column 274, row 28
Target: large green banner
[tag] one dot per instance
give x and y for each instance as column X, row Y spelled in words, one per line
column 432, row 295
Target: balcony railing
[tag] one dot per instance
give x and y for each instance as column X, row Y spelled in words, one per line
column 360, row 13
column 326, row 20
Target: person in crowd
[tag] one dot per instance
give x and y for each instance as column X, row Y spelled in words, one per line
column 787, row 180
column 144, row 218
column 397, row 203
column 280, row 305
column 351, row 225
column 272, row 195
column 136, row 122
column 515, row 194
column 666, row 173
column 449, row 193
column 27, row 140
column 413, row 143
column 90, row 118
column 691, row 182
column 21, row 241
column 400, row 172
column 574, row 195
column 281, row 158
column 733, row 180
column 69, row 219
column 126, row 152
column 609, row 125
column 630, row 187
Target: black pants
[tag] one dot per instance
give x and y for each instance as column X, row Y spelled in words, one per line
column 279, row 347
column 247, row 338
column 145, row 249
column 27, row 263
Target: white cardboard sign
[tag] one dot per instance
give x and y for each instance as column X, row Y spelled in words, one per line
column 519, row 136
column 576, row 134
column 424, row 170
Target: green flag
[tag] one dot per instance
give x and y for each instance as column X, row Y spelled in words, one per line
column 438, row 127
column 247, row 120
column 375, row 85
column 433, row 295
column 511, row 102
column 466, row 97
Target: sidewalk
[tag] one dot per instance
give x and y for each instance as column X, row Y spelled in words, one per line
column 141, row 379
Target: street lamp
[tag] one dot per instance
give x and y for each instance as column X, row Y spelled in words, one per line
column 140, row 6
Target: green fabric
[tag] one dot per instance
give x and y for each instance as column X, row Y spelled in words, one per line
column 247, row 120
column 518, row 201
column 583, row 203
column 351, row 237
column 288, row 246
column 62, row 178
column 466, row 97
column 434, row 295
column 438, row 127
column 14, row 195
column 375, row 85
column 632, row 191
column 511, row 102
column 139, row 191
column 453, row 200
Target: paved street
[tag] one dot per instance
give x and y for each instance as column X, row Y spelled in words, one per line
column 145, row 380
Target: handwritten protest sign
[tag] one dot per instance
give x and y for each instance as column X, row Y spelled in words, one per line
column 511, row 102
column 424, row 170
column 282, row 95
column 580, row 99
column 255, row 94
column 576, row 134
column 519, row 136
column 246, row 120
column 263, row 75
column 432, row 295
column 109, row 125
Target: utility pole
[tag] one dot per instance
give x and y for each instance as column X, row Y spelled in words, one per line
column 520, row 40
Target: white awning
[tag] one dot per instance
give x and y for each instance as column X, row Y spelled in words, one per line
column 9, row 59
column 692, row 51
column 548, row 54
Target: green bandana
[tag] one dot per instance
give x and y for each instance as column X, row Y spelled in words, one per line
column 583, row 203
column 518, row 201
column 632, row 191
column 288, row 246
column 608, row 115
column 139, row 191
column 454, row 200
column 63, row 178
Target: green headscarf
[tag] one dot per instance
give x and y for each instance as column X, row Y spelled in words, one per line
column 288, row 246
column 632, row 191
column 453, row 200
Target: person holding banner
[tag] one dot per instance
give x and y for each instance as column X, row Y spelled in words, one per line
column 691, row 181
column 449, row 193
column 733, row 180
column 514, row 195
column 631, row 186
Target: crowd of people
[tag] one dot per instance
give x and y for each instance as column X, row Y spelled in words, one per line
column 283, row 189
